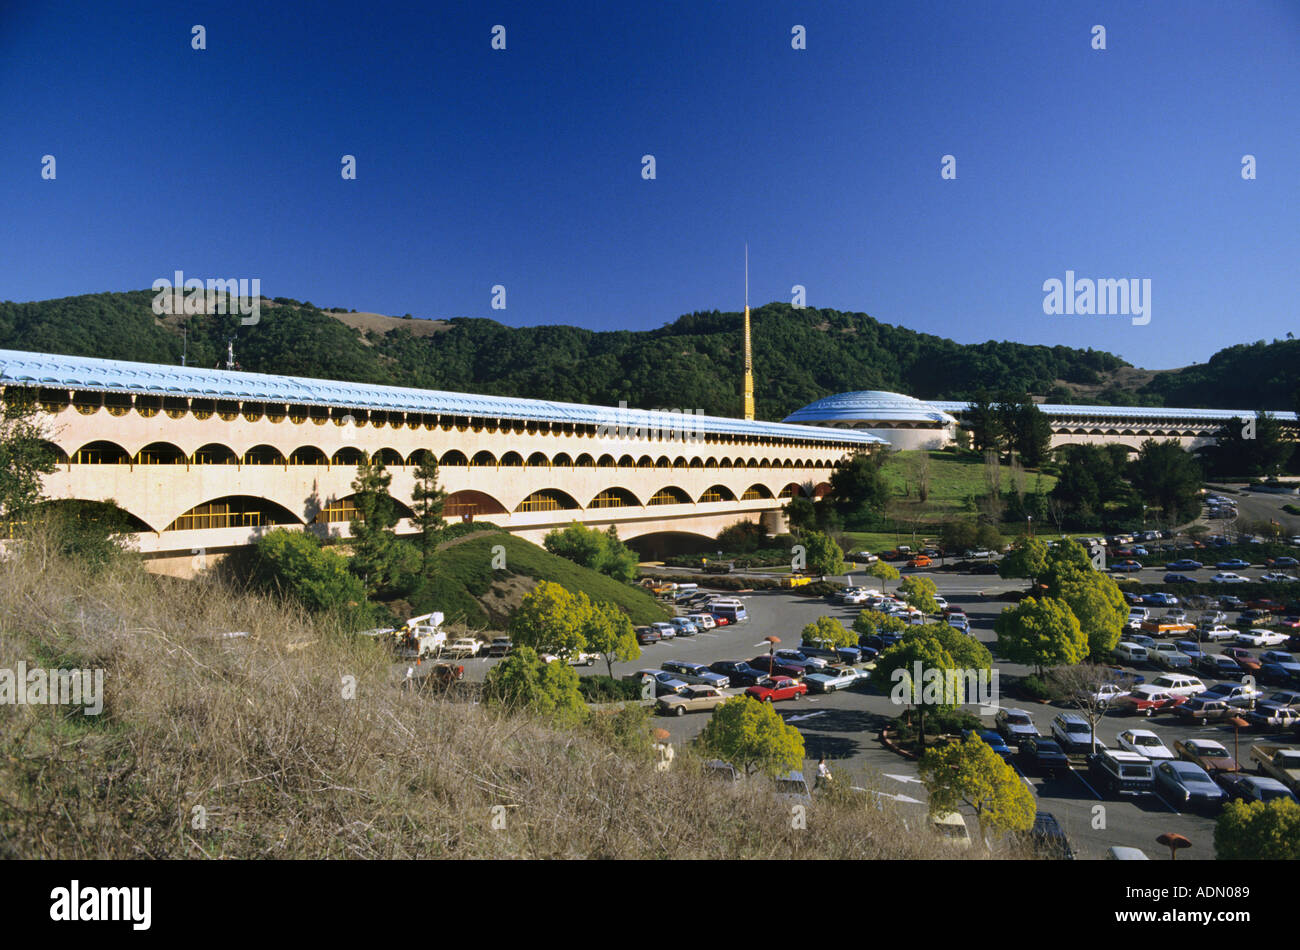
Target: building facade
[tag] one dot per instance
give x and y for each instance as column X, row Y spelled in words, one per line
column 205, row 461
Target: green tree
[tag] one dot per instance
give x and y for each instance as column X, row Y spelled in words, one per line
column 859, row 490
column 297, row 564
column 882, row 571
column 1258, row 831
column 25, row 456
column 378, row 557
column 971, row 773
column 1027, row 558
column 522, row 680
column 1098, row 604
column 753, row 737
column 594, row 549
column 609, row 632
column 1167, row 477
column 428, row 501
column 824, row 555
column 800, row 513
column 873, row 623
column 958, row 535
column 896, row 673
column 829, row 632
column 984, row 423
column 920, row 592
column 1040, row 633
column 1027, row 431
column 552, row 620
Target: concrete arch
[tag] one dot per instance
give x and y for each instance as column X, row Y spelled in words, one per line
column 562, row 458
column 670, row 495
column 663, row 462
column 472, row 503
column 792, row 490
column 389, row 456
column 453, row 457
column 308, row 455
column 548, row 499
column 101, row 452
column 483, row 459
column 263, row 454
column 757, row 490
column 614, row 497
column 717, row 493
column 512, row 459
column 584, row 461
column 538, row 460
column 349, row 455
column 233, row 511
column 214, row 453
column 821, row 489
column 605, row 461
column 160, row 453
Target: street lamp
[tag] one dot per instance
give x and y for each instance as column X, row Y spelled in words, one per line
column 1029, row 525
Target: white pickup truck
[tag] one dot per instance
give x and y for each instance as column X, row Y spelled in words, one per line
column 1282, row 762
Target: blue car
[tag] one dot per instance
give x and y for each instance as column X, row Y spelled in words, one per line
column 1160, row 599
column 1190, row 648
column 1179, row 579
column 1185, row 564
column 994, row 740
column 1235, row 564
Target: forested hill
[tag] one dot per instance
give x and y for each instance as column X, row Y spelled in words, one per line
column 693, row 363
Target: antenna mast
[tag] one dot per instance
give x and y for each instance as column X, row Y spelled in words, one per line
column 749, row 359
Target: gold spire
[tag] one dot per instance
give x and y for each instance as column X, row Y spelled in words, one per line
column 749, row 359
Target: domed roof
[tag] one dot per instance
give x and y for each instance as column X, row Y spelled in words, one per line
column 870, row 406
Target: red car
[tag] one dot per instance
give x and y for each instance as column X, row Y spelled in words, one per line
column 720, row 620
column 1244, row 658
column 1149, row 700
column 773, row 688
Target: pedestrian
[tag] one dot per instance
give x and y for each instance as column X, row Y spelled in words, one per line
column 823, row 773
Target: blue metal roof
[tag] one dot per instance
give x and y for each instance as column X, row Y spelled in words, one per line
column 870, row 406
column 19, row 368
column 1133, row 412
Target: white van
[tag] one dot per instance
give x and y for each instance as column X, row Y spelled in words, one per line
column 1180, row 684
column 1132, row 652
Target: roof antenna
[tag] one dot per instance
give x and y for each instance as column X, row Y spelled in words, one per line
column 749, row 360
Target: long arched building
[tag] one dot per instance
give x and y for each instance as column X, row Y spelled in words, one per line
column 205, row 461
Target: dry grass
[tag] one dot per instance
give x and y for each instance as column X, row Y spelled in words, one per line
column 257, row 732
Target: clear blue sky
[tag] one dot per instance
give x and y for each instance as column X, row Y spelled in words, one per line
column 523, row 167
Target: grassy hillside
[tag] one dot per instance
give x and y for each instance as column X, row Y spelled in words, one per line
column 953, row 479
column 467, row 587
column 248, row 748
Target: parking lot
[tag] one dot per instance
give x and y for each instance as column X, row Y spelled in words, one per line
column 844, row 726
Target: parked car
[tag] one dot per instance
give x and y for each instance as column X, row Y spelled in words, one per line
column 1227, row 577
column 1148, row 700
column 1190, row 649
column 1243, row 787
column 1245, row 659
column 665, row 683
column 772, row 689
column 799, row 658
column 1217, row 632
column 993, row 740
column 1188, row 785
column 1273, row 718
column 1074, row 734
column 1015, row 725
column 1131, row 652
column 1281, row 762
column 1184, row 564
column 1208, row 754
column 465, row 646
column 1198, row 709
column 684, row 627
column 500, row 646
column 831, row 678
column 1144, row 742
column 1175, row 578
column 775, row 666
column 1232, row 564
column 1169, row 656
column 1216, row 664
column 1122, row 772
column 738, row 672
column 697, row 674
column 1126, row 567
column 1262, row 638
column 1042, row 756
column 666, row 631
column 647, row 635
column 702, row 621
column 692, row 699
column 1237, row 695
column 1160, row 599
column 1048, row 838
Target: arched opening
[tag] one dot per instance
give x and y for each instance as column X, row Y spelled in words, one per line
column 562, row 458
column 348, row 455
column 791, row 491
column 539, row 460
column 645, row 461
column 233, row 511
column 512, row 459
column 606, row 461
column 308, row 455
column 662, row 462
column 627, row 462
column 718, row 493
column 389, row 457
column 756, row 491
column 711, row 463
column 483, row 459
column 697, row 462
column 264, row 455
column 614, row 498
column 670, row 495
column 453, row 457
column 101, row 453
column 547, row 499
column 214, row 453
column 117, row 520
column 469, row 503
column 821, row 490
column 585, row 461
column 160, row 453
